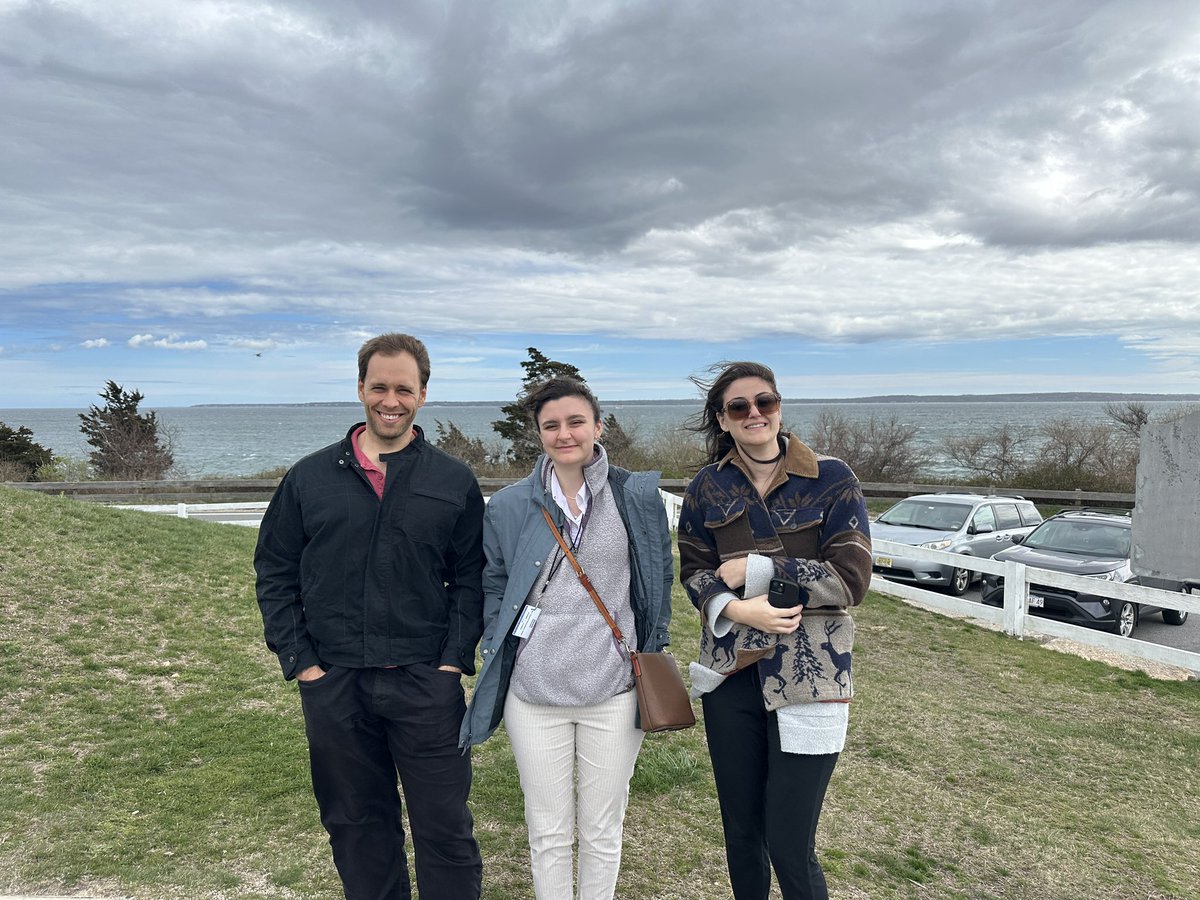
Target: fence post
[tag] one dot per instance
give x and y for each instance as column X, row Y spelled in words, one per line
column 1016, row 596
column 181, row 510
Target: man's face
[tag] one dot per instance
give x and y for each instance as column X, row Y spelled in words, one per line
column 391, row 394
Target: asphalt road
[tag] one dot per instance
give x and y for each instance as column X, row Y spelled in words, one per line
column 1151, row 629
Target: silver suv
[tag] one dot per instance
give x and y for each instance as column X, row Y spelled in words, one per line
column 970, row 524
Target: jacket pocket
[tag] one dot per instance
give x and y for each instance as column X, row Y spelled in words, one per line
column 430, row 515
column 799, row 531
column 731, row 530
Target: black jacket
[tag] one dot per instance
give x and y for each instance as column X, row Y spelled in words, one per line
column 347, row 579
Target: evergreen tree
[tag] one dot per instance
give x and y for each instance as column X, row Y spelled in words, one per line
column 618, row 443
column 128, row 446
column 20, row 453
column 515, row 427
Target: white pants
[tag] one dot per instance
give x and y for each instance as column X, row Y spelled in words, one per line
column 554, row 746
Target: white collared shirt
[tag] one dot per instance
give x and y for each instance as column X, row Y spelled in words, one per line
column 573, row 521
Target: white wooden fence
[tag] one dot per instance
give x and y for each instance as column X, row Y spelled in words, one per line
column 241, row 513
column 1014, row 617
column 250, row 513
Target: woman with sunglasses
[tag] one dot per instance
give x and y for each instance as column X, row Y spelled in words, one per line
column 774, row 548
column 551, row 666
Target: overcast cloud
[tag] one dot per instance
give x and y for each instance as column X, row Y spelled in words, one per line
column 219, row 179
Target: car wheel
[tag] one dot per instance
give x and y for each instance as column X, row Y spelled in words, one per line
column 1175, row 616
column 960, row 580
column 1126, row 619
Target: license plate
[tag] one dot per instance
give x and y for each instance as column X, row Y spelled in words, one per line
column 885, row 561
column 1036, row 601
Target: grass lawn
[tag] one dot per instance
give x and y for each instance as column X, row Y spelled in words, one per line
column 150, row 749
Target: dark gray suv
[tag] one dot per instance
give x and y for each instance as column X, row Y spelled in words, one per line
column 1092, row 542
column 971, row 524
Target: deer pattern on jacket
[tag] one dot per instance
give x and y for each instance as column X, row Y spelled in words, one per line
column 841, row 660
column 792, row 667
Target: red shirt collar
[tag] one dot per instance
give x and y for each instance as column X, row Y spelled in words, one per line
column 374, row 475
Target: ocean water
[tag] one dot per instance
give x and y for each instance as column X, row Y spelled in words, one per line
column 223, row 441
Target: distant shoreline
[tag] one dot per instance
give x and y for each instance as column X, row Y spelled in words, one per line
column 1051, row 397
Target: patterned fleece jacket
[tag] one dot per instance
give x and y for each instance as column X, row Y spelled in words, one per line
column 813, row 527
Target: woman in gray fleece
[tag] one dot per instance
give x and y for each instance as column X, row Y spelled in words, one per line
column 551, row 667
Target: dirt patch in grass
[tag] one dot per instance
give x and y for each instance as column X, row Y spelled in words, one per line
column 1158, row 670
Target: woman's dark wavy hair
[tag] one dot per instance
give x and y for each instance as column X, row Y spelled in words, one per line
column 717, row 443
column 539, row 395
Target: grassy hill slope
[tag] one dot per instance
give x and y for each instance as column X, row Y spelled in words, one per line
column 150, row 749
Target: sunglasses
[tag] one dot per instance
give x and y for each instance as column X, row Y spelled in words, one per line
column 739, row 407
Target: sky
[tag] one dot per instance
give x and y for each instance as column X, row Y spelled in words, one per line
column 218, row 202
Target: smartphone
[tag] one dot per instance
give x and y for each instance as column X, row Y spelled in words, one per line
column 784, row 594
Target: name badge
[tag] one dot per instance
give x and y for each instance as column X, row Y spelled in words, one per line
column 526, row 621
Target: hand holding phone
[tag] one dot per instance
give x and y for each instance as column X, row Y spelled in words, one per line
column 785, row 594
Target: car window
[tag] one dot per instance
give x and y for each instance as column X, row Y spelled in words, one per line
column 926, row 514
column 1007, row 515
column 1029, row 514
column 1083, row 538
column 984, row 518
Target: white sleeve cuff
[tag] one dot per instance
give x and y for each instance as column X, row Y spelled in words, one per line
column 717, row 623
column 759, row 572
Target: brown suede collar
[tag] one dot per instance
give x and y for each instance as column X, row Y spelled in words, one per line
column 799, row 460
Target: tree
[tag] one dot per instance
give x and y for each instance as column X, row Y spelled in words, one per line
column 128, row 445
column 1129, row 417
column 996, row 459
column 618, row 443
column 515, row 427
column 1091, row 457
column 20, row 454
column 878, row 450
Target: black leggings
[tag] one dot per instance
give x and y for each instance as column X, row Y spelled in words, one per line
column 770, row 800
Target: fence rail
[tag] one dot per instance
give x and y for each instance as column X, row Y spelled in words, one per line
column 1014, row 618
column 251, row 512
column 253, row 489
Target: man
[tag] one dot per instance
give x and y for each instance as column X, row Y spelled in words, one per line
column 369, row 567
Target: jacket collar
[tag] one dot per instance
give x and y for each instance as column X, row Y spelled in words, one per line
column 798, row 459
column 347, row 443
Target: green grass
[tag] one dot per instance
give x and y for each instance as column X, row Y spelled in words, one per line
column 150, row 749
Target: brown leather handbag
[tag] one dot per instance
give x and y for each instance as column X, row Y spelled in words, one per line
column 663, row 703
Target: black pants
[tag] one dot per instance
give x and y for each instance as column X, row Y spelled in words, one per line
column 770, row 800
column 366, row 725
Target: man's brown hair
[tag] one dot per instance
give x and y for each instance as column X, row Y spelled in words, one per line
column 392, row 344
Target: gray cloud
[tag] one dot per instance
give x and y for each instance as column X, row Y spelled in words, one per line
column 232, row 172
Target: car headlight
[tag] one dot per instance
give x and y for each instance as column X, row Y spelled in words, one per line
column 936, row 545
column 1113, row 575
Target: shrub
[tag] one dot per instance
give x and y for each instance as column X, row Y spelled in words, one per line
column 64, row 468
column 677, row 453
column 470, row 450
column 13, row 472
column 878, row 450
column 20, row 455
column 993, row 459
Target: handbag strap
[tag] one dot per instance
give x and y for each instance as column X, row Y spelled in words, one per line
column 587, row 583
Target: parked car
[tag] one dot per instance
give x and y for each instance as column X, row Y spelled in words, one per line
column 1089, row 542
column 970, row 524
